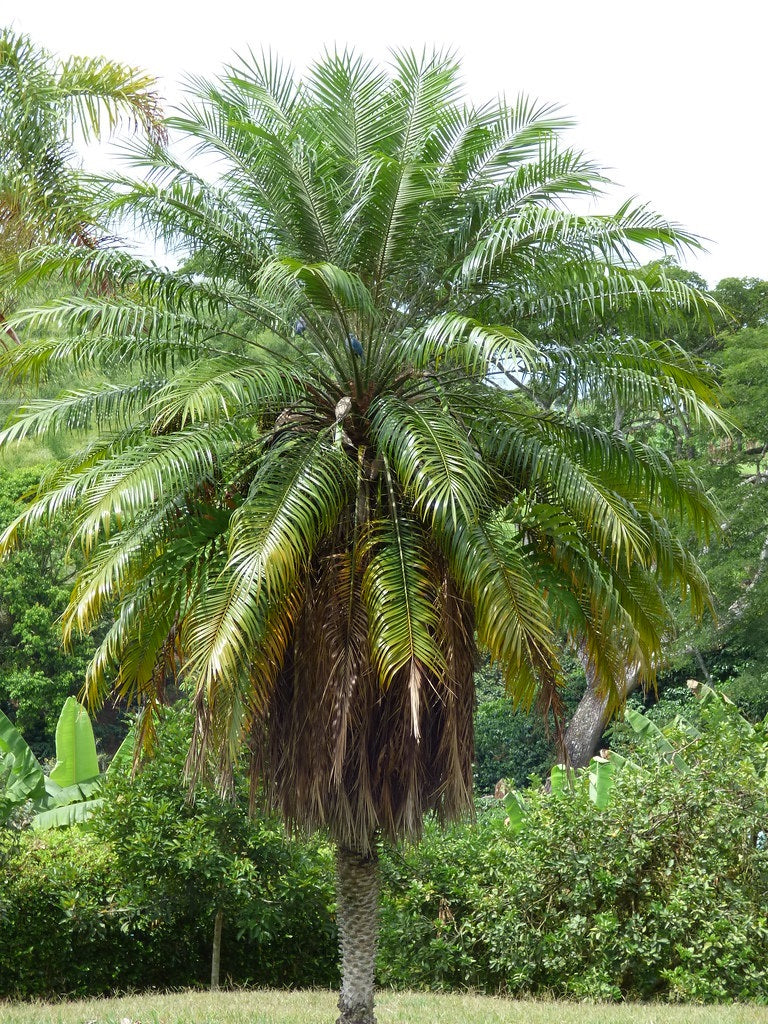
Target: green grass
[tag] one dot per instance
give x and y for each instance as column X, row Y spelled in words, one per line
column 270, row 1007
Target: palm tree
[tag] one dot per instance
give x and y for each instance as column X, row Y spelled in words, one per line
column 326, row 476
column 45, row 103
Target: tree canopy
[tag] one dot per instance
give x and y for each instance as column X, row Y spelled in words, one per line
column 46, row 105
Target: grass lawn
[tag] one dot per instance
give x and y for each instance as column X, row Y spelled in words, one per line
column 269, row 1007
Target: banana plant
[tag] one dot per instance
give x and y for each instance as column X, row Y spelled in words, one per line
column 21, row 777
column 70, row 794
column 75, row 781
column 604, row 769
column 561, row 782
column 651, row 734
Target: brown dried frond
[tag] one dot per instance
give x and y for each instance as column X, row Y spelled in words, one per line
column 345, row 754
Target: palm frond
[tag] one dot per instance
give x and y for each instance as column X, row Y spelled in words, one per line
column 436, row 466
column 400, row 591
column 296, row 496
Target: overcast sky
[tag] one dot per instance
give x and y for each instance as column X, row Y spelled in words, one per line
column 670, row 97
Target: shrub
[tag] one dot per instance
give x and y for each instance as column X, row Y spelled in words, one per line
column 663, row 895
column 129, row 904
column 59, row 926
column 749, row 691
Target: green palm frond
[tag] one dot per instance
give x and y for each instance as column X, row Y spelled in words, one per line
column 529, row 463
column 465, row 342
column 298, row 492
column 434, row 462
column 400, row 589
column 101, row 406
column 515, row 436
column 100, row 95
column 350, row 113
column 224, row 388
column 512, row 617
column 327, row 287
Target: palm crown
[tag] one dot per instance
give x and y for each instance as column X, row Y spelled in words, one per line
column 336, row 444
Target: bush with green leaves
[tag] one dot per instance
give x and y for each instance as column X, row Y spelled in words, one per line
column 184, row 856
column 661, row 895
column 749, row 691
column 129, row 903
column 511, row 743
column 60, row 921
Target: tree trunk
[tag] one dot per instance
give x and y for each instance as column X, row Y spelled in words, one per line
column 216, row 953
column 582, row 737
column 5, row 328
column 357, row 900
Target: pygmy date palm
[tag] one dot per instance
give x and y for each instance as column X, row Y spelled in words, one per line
column 326, row 474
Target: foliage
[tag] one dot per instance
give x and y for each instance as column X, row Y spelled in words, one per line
column 45, row 105
column 745, row 299
column 129, row 903
column 182, row 859
column 36, row 674
column 660, row 895
column 744, row 358
column 732, row 650
column 749, row 691
column 21, row 776
column 67, row 796
column 509, row 744
column 60, row 932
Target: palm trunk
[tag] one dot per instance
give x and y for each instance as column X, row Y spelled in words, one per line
column 357, row 899
column 216, row 953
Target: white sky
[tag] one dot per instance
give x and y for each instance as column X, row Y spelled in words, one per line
column 670, row 97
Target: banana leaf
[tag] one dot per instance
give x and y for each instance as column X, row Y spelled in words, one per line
column 652, row 734
column 617, row 760
column 722, row 707
column 517, row 812
column 123, row 758
column 58, row 796
column 69, row 814
column 560, row 779
column 19, row 768
column 76, row 758
column 600, row 782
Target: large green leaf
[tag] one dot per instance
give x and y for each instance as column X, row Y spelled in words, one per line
column 123, row 758
column 63, row 817
column 59, row 796
column 18, row 767
column 600, row 782
column 516, row 809
column 652, row 734
column 76, row 759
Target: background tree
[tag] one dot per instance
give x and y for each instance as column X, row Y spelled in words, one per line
column 730, row 648
column 46, row 104
column 36, row 674
column 328, row 471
